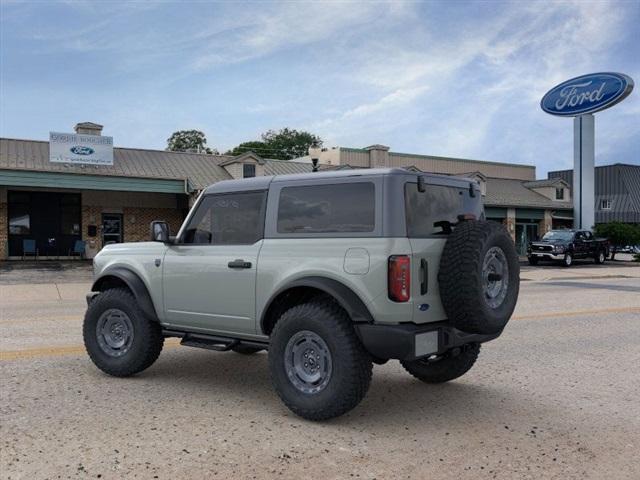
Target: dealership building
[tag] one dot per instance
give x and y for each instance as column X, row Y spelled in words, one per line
column 51, row 202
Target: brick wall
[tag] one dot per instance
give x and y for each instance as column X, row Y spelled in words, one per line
column 137, row 220
column 135, row 223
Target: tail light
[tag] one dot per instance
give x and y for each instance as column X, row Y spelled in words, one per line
column 399, row 278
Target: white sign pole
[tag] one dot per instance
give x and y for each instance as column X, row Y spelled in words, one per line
column 583, row 171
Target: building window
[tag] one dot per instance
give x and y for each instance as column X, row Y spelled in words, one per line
column 605, row 204
column 248, row 170
column 559, row 193
column 19, row 213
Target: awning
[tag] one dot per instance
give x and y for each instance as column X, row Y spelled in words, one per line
column 562, row 216
column 30, row 178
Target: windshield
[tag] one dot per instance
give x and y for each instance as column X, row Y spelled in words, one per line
column 558, row 235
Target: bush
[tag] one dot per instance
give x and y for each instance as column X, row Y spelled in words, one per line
column 619, row 234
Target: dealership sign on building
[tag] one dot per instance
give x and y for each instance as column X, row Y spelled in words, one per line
column 80, row 149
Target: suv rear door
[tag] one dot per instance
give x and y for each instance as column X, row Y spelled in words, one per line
column 209, row 275
column 442, row 201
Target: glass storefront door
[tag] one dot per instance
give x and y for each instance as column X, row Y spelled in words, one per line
column 111, row 228
column 525, row 233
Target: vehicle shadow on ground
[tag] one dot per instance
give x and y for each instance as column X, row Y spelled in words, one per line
column 394, row 397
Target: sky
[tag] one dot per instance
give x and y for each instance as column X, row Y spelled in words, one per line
column 447, row 78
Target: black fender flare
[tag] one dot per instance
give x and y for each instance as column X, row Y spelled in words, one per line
column 346, row 298
column 135, row 284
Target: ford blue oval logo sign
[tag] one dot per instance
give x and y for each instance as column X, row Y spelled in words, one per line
column 587, row 94
column 79, row 150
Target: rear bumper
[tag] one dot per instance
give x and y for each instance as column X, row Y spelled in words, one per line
column 410, row 341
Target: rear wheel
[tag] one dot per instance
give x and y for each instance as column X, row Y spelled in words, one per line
column 119, row 338
column 318, row 366
column 444, row 368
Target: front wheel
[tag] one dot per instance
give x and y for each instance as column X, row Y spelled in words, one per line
column 567, row 261
column 318, row 366
column 600, row 257
column 533, row 261
column 119, row 338
column 444, row 368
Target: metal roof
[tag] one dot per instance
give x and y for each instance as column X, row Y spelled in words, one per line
column 619, row 184
column 547, row 182
column 200, row 170
column 513, row 193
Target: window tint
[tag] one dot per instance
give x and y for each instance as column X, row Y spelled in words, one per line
column 343, row 207
column 424, row 209
column 232, row 219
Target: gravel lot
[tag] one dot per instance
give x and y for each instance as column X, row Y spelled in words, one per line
column 555, row 397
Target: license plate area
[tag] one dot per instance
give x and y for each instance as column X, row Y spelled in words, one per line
column 426, row 343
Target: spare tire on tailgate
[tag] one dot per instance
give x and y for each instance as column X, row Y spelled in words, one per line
column 479, row 277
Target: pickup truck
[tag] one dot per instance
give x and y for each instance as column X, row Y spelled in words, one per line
column 566, row 245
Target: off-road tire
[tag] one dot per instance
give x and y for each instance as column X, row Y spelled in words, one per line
column 567, row 261
column 147, row 339
column 600, row 257
column 533, row 261
column 246, row 349
column 447, row 368
column 463, row 289
column 351, row 364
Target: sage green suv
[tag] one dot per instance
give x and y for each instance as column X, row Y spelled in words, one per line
column 330, row 272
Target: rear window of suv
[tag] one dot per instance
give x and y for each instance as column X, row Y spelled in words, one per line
column 342, row 207
column 424, row 209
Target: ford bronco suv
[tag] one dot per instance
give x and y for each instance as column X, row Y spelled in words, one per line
column 330, row 272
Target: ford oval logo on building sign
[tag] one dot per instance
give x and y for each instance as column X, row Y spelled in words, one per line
column 79, row 150
column 587, row 94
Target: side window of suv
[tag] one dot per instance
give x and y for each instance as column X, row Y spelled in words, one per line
column 229, row 219
column 336, row 208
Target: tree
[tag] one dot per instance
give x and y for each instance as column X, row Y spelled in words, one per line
column 284, row 144
column 188, row 141
column 619, row 234
column 257, row 147
column 289, row 144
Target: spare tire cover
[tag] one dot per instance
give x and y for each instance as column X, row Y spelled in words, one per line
column 479, row 277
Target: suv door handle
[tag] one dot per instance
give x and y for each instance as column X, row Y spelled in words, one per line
column 239, row 263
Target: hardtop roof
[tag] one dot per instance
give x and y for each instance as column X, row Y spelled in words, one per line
column 263, row 182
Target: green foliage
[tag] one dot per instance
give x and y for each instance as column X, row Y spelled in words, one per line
column 188, row 141
column 619, row 234
column 256, row 147
column 284, row 144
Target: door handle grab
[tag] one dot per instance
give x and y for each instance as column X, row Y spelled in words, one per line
column 239, row 263
column 424, row 281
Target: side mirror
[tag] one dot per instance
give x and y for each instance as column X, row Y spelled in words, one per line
column 159, row 231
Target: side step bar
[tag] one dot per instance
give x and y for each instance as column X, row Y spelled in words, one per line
column 211, row 342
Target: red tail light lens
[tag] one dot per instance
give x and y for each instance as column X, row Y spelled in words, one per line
column 399, row 278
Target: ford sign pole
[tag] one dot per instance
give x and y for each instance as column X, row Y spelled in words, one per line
column 580, row 97
column 584, row 158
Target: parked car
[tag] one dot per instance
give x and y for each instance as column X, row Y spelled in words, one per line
column 330, row 272
column 564, row 246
